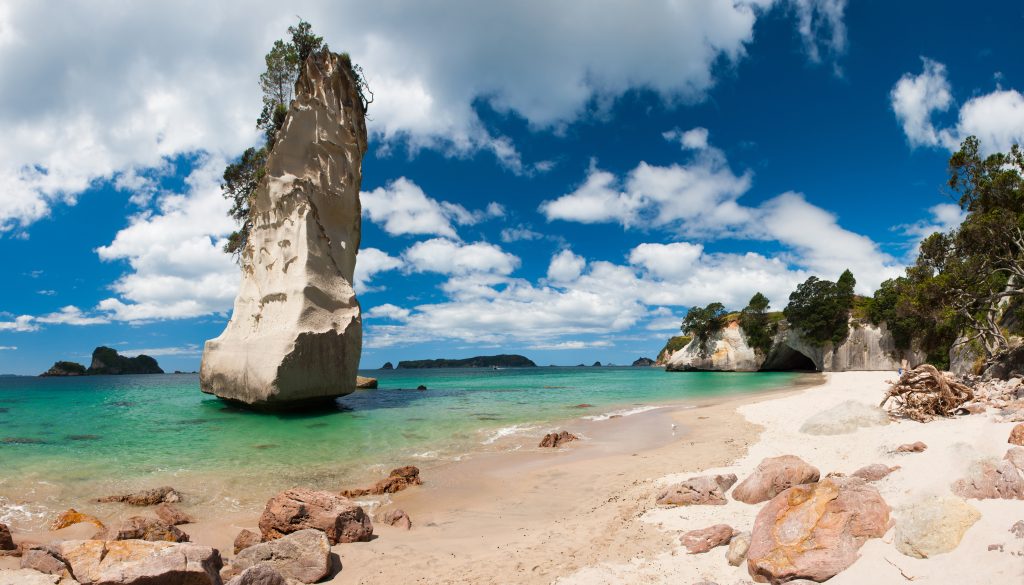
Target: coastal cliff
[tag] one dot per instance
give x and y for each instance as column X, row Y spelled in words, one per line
column 295, row 335
column 867, row 347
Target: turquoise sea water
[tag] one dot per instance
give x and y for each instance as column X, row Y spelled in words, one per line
column 67, row 439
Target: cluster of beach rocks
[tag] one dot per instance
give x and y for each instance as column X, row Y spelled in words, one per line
column 1006, row 396
column 297, row 529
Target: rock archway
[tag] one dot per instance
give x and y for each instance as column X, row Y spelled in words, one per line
column 784, row 358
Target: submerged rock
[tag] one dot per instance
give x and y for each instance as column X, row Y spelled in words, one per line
column 140, row 562
column 295, row 334
column 164, row 494
column 814, row 531
column 773, row 476
column 702, row 490
column 72, row 516
column 304, row 555
column 934, row 525
column 557, row 439
column 300, row 508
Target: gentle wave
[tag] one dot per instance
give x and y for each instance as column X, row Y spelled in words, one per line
column 623, row 412
column 506, row 432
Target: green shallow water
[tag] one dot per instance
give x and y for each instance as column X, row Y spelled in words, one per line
column 67, row 439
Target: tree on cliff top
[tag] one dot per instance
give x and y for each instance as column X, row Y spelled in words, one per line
column 757, row 324
column 820, row 309
column 703, row 322
column 283, row 65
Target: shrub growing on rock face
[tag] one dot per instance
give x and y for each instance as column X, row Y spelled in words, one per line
column 757, row 324
column 820, row 309
column 703, row 322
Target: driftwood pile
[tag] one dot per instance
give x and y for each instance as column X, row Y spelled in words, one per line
column 924, row 393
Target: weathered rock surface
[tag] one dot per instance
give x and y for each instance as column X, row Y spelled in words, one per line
column 72, row 516
column 396, row 481
column 738, row 549
column 6, row 541
column 1015, row 455
column 295, row 334
column 45, row 559
column 140, row 562
column 245, row 539
column 161, row 495
column 844, row 418
column 366, row 383
column 299, row 508
column 814, row 531
column 26, row 577
column 701, row 490
column 1017, row 435
column 933, row 525
column 773, row 476
column 397, row 518
column 874, row 472
column 727, row 350
column 557, row 439
column 304, row 555
column 705, row 539
column 991, row 480
column 171, row 514
column 142, row 528
column 259, row 575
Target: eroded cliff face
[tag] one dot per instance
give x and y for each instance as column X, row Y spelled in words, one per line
column 868, row 347
column 295, row 335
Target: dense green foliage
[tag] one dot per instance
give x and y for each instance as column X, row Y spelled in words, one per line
column 674, row 344
column 283, row 65
column 820, row 309
column 480, row 361
column 703, row 322
column 758, row 325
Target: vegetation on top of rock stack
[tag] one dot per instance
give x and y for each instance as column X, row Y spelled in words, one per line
column 703, row 322
column 284, row 65
column 106, row 360
column 674, row 344
column 63, row 368
column 820, row 308
column 759, row 325
column 482, row 361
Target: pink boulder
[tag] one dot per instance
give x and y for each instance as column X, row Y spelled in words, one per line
column 705, row 539
column 773, row 476
column 300, row 508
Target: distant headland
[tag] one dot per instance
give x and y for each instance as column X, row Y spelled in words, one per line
column 481, row 361
column 106, row 361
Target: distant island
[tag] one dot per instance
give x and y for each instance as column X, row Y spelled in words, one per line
column 481, row 361
column 105, row 361
column 643, row 362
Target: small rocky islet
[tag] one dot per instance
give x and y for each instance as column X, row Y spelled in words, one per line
column 106, row 361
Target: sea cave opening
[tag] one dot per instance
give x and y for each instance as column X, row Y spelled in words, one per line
column 787, row 359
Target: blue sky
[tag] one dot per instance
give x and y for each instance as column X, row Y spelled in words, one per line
column 557, row 181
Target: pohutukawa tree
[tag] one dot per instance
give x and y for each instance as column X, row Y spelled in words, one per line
column 702, row 323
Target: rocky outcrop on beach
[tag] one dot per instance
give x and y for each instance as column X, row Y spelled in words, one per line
column 773, row 476
column 6, row 541
column 260, row 575
column 30, row 577
column 171, row 514
column 867, row 347
column 295, row 334
column 140, row 562
column 552, row 440
column 396, row 481
column 814, row 531
column 705, row 539
column 151, row 497
column 71, row 517
column 304, row 555
column 933, row 525
column 300, row 508
column 245, row 539
column 142, row 528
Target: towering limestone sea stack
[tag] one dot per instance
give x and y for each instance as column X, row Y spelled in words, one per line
column 295, row 335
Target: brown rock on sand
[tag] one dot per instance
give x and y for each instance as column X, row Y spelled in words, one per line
column 164, row 494
column 260, row 575
column 6, row 541
column 814, row 531
column 72, row 516
column 557, row 439
column 304, row 555
column 45, row 559
column 172, row 515
column 738, row 548
column 396, row 481
column 991, row 480
column 245, row 539
column 773, row 476
column 301, row 508
column 915, row 447
column 701, row 490
column 1017, row 435
column 1015, row 455
column 140, row 562
column 705, row 539
column 397, row 518
column 142, row 528
column 874, row 472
